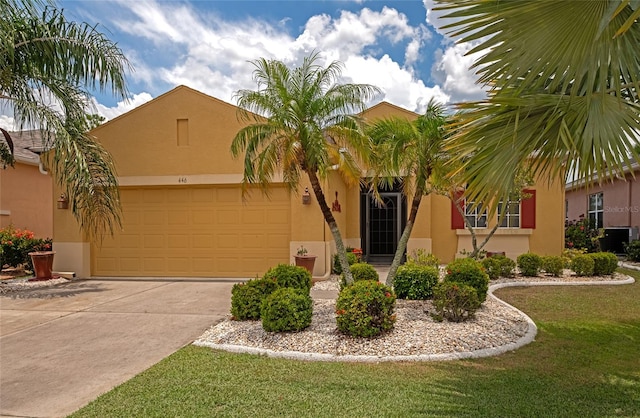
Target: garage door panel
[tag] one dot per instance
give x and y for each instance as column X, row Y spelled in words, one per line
column 196, row 231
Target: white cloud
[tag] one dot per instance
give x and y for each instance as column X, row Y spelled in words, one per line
column 8, row 123
column 452, row 70
column 123, row 106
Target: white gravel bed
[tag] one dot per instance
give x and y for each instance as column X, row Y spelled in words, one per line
column 415, row 333
column 496, row 328
column 16, row 285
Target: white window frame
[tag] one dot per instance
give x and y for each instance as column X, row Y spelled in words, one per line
column 510, row 220
column 595, row 209
column 474, row 215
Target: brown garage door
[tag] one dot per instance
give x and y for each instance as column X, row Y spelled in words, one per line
column 198, row 231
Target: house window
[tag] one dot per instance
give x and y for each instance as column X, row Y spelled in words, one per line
column 509, row 215
column 476, row 215
column 596, row 209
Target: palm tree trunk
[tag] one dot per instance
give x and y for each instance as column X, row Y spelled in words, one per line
column 406, row 233
column 333, row 225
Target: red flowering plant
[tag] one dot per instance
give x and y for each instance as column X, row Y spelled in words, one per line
column 582, row 234
column 16, row 244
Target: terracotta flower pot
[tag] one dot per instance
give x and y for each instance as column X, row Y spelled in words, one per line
column 42, row 264
column 306, row 261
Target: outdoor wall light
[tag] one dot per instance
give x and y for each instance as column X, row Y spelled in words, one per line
column 306, row 197
column 63, row 202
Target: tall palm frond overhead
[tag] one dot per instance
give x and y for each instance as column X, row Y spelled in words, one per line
column 47, row 66
column 411, row 151
column 564, row 78
column 303, row 122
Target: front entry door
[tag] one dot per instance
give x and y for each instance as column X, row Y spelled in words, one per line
column 383, row 227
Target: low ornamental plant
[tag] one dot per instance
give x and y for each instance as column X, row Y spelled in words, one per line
column 359, row 272
column 582, row 265
column 415, row 281
column 604, row 263
column 421, row 257
column 16, row 244
column 365, row 309
column 286, row 309
column 455, row 302
column 632, row 250
column 287, row 275
column 351, row 258
column 470, row 272
column 552, row 265
column 582, row 234
column 499, row 266
column 529, row 264
column 246, row 298
column 569, row 253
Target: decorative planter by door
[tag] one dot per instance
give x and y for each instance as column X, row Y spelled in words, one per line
column 306, row 261
column 42, row 264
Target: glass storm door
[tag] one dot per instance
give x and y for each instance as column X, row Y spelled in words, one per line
column 383, row 226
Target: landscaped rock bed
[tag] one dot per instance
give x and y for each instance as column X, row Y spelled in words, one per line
column 415, row 336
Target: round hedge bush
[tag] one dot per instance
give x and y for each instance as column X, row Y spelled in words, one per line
column 286, row 309
column 604, row 263
column 529, row 264
column 337, row 267
column 498, row 266
column 415, row 282
column 468, row 271
column 287, row 275
column 553, row 265
column 246, row 298
column 582, row 265
column 359, row 272
column 632, row 250
column 365, row 309
column 455, row 302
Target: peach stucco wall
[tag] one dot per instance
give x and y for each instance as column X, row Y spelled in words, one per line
column 26, row 199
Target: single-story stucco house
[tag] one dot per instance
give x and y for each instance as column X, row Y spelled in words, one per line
column 26, row 190
column 612, row 204
column 184, row 214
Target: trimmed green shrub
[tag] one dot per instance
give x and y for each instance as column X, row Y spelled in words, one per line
column 365, row 309
column 246, row 298
column 286, row 309
column 337, row 268
column 360, row 271
column 421, row 257
column 415, row 282
column 569, row 253
column 455, row 302
column 287, row 275
column 553, row 265
column 468, row 271
column 633, row 250
column 604, row 263
column 529, row 264
column 582, row 265
column 498, row 266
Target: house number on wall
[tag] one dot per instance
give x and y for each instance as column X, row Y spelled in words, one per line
column 182, row 179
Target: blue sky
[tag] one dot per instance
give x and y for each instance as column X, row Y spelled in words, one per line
column 207, row 45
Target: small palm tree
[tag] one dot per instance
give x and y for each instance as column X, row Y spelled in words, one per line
column 564, row 90
column 47, row 65
column 303, row 122
column 411, row 151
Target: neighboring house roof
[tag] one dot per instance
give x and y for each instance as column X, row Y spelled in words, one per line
column 24, row 145
column 576, row 184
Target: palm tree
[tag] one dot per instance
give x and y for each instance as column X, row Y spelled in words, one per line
column 564, row 79
column 303, row 122
column 411, row 151
column 47, row 66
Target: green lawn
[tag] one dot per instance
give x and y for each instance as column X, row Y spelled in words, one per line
column 585, row 362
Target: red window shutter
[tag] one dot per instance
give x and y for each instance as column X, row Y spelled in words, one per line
column 457, row 221
column 528, row 208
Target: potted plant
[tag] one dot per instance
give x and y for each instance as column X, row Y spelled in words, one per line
column 42, row 259
column 305, row 260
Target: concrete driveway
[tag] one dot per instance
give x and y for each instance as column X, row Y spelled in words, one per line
column 63, row 346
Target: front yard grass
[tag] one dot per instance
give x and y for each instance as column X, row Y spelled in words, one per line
column 585, row 362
